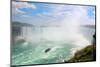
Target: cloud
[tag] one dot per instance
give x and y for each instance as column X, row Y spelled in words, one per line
column 69, row 18
column 16, row 6
column 65, row 12
column 61, row 14
column 23, row 5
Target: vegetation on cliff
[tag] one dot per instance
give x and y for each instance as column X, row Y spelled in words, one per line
column 84, row 55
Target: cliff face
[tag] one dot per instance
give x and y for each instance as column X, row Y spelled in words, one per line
column 84, row 55
column 17, row 30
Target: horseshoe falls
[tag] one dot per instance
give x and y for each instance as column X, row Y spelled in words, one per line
column 30, row 44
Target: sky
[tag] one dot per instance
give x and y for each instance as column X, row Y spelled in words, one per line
column 62, row 21
column 54, row 14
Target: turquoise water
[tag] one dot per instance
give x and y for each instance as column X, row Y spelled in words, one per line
column 30, row 54
column 25, row 53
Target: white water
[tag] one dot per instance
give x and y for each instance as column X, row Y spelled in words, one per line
column 62, row 45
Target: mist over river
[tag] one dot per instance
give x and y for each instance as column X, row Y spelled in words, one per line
column 30, row 46
column 43, row 33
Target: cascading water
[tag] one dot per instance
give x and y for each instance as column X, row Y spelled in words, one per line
column 38, row 39
column 51, row 43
